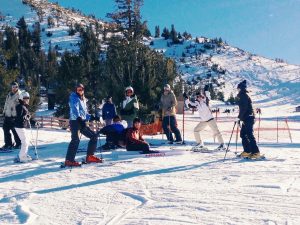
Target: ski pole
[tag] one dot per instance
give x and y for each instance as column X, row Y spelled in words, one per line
column 229, row 140
column 183, row 142
column 36, row 140
column 236, row 137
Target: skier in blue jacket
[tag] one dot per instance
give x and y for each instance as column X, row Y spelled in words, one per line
column 78, row 117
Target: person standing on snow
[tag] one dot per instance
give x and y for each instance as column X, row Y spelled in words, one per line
column 10, row 113
column 130, row 107
column 78, row 117
column 247, row 117
column 21, row 121
column 168, row 105
column 206, row 119
column 108, row 111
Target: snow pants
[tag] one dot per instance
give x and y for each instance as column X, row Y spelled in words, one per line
column 73, row 146
column 213, row 126
column 169, row 125
column 8, row 125
column 25, row 143
column 138, row 147
column 248, row 139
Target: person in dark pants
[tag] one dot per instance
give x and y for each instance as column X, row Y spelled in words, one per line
column 168, row 105
column 134, row 139
column 78, row 116
column 247, row 117
column 10, row 113
column 108, row 111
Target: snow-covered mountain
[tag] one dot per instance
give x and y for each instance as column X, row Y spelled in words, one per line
column 270, row 81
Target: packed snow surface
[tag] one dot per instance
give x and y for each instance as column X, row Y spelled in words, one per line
column 181, row 188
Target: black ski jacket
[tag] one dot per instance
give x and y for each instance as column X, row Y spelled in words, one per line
column 245, row 105
column 22, row 116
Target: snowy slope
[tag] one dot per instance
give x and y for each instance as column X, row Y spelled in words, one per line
column 187, row 188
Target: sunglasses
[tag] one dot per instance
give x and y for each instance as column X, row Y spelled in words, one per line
column 14, row 86
column 25, row 98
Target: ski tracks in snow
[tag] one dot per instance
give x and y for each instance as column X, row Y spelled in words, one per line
column 143, row 199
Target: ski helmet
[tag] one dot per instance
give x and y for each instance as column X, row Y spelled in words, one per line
column 167, row 87
column 242, row 85
column 24, row 95
column 129, row 88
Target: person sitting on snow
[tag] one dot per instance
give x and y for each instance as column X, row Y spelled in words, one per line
column 114, row 134
column 134, row 139
column 21, row 121
column 206, row 119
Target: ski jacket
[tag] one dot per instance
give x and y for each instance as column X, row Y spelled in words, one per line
column 203, row 110
column 22, row 117
column 245, row 106
column 133, row 136
column 77, row 107
column 130, row 107
column 108, row 111
column 115, row 127
column 12, row 99
column 168, row 104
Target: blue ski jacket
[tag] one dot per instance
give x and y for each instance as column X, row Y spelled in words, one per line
column 77, row 107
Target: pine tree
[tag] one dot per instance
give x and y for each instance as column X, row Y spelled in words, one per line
column 127, row 17
column 157, row 32
column 10, row 48
column 23, row 33
column 36, row 38
column 166, row 33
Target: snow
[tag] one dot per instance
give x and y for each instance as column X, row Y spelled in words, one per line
column 183, row 188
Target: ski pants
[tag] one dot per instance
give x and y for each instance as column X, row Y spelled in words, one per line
column 25, row 143
column 169, row 125
column 247, row 136
column 8, row 125
column 73, row 146
column 213, row 126
column 142, row 147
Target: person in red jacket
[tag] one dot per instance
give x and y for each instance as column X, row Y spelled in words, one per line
column 134, row 139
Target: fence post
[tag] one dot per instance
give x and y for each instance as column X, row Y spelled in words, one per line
column 277, row 129
column 286, row 121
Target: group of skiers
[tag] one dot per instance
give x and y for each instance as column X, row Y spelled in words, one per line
column 127, row 135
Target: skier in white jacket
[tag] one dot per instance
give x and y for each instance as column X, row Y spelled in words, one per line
column 206, row 119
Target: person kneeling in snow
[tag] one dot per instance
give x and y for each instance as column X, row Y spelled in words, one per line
column 21, row 121
column 78, row 117
column 114, row 134
column 206, row 119
column 134, row 139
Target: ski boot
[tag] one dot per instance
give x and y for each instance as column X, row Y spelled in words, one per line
column 93, row 159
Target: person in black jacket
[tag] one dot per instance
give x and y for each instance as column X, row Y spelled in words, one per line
column 246, row 115
column 21, row 121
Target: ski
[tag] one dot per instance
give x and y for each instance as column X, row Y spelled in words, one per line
column 62, row 166
column 3, row 150
column 262, row 157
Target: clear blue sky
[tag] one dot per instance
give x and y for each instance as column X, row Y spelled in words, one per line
column 270, row 28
